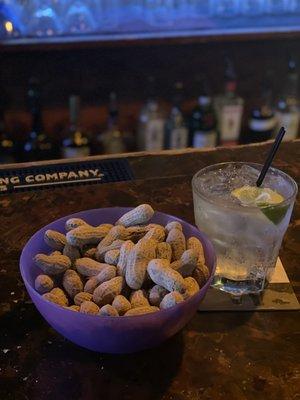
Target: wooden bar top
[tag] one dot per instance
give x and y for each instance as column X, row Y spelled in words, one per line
column 219, row 355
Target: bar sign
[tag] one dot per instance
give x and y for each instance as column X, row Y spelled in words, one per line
column 77, row 173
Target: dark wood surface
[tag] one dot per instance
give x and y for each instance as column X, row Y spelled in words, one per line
column 251, row 355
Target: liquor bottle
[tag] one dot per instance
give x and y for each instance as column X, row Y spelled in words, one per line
column 229, row 108
column 262, row 123
column 151, row 130
column 176, row 132
column 76, row 143
column 203, row 131
column 287, row 112
column 37, row 146
column 7, row 145
column 112, row 138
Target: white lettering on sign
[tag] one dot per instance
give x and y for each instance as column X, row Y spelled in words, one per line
column 29, row 178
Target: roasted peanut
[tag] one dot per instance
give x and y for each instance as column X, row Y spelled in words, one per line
column 192, row 287
column 55, row 240
column 101, row 251
column 116, row 232
column 176, row 240
column 88, row 267
column 112, row 257
column 123, row 257
column 195, row 244
column 173, row 225
column 157, row 233
column 108, row 311
column 201, row 274
column 90, row 253
column 156, row 294
column 53, row 264
column 135, row 233
column 121, row 304
column 162, row 274
column 137, row 262
column 73, row 223
column 87, row 235
column 81, row 297
column 57, row 296
column 72, row 252
column 74, row 308
column 187, row 263
column 163, row 250
column 43, row 284
column 72, row 283
column 141, row 310
column 88, row 307
column 138, row 299
column 138, row 216
column 107, row 291
column 170, row 300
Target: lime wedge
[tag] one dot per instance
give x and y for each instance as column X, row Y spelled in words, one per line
column 266, row 199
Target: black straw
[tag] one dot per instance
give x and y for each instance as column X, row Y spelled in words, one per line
column 270, row 157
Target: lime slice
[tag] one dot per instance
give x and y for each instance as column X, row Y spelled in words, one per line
column 265, row 199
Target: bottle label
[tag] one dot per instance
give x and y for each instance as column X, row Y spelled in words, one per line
column 204, row 139
column 179, row 138
column 290, row 120
column 230, row 122
column 154, row 135
column 262, row 125
column 76, row 152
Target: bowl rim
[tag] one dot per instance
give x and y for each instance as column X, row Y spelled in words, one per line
column 31, row 289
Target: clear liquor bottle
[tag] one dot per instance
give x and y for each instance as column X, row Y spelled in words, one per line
column 176, row 132
column 229, row 108
column 112, row 138
column 151, row 130
column 287, row 112
column 76, row 143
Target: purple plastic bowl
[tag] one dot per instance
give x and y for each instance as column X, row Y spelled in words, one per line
column 112, row 334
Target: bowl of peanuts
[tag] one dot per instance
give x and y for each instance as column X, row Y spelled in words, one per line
column 118, row 280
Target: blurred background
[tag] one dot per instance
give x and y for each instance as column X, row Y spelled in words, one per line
column 91, row 77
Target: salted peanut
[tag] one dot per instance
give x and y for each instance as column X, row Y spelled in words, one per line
column 74, row 308
column 81, row 297
column 192, row 287
column 176, row 240
column 101, row 251
column 108, row 311
column 156, row 233
column 88, row 267
column 125, row 249
column 54, row 264
column 106, row 274
column 201, row 274
column 162, row 274
column 187, row 263
column 156, row 294
column 137, row 262
column 107, row 291
column 170, row 300
column 141, row 310
column 121, row 304
column 73, row 223
column 88, row 307
column 138, row 299
column 91, row 284
column 112, row 256
column 135, row 233
column 116, row 232
column 43, row 284
column 72, row 252
column 55, row 240
column 195, row 244
column 72, row 283
column 87, row 235
column 173, row 225
column 138, row 216
column 90, row 253
column 163, row 250
column 57, row 296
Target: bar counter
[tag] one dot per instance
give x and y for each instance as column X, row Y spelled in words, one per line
column 219, row 355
